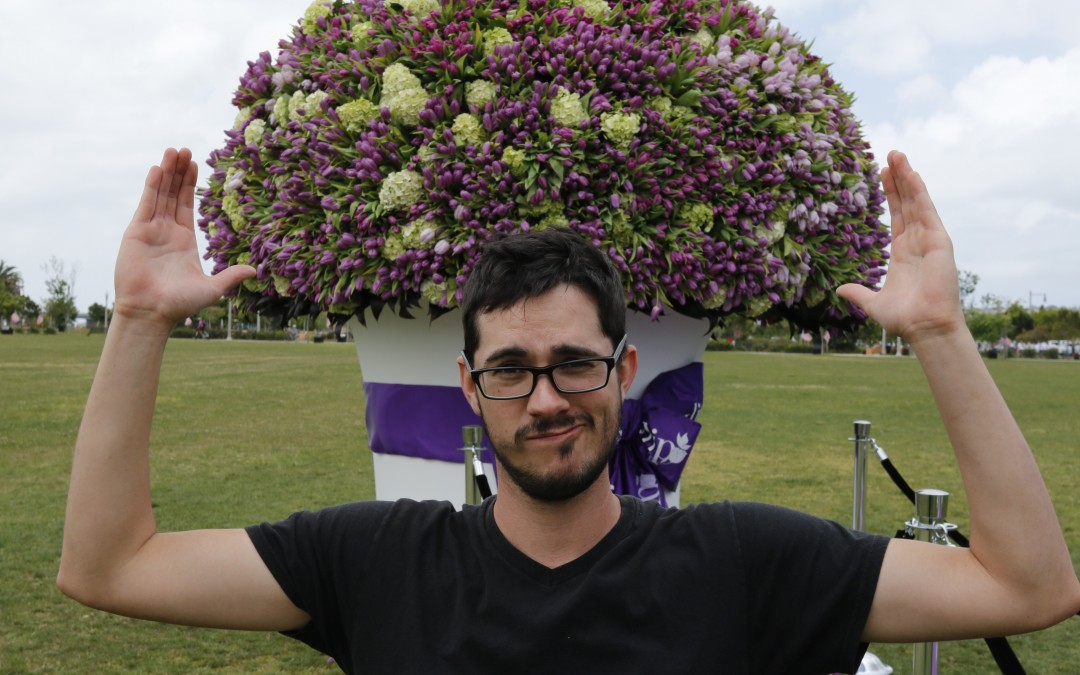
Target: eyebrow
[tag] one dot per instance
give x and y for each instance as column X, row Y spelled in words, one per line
column 568, row 350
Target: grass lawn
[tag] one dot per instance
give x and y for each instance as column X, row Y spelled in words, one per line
column 250, row 431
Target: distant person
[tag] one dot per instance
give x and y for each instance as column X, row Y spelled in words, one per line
column 556, row 573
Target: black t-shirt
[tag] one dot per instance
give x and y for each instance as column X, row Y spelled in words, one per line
column 417, row 587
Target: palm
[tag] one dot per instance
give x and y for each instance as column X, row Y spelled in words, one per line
column 158, row 272
column 921, row 294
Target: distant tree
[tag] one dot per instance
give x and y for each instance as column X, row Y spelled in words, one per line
column 60, row 308
column 11, row 297
column 987, row 326
column 1020, row 320
column 969, row 281
column 96, row 313
column 10, row 279
column 1058, row 324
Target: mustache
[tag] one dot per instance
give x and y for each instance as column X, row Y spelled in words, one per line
column 546, row 424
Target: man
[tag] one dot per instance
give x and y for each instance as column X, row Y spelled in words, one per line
column 557, row 573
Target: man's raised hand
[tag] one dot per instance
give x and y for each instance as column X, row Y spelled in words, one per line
column 921, row 296
column 159, row 278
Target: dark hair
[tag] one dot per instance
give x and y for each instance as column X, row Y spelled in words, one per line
column 527, row 265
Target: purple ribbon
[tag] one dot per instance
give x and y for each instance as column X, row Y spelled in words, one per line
column 658, row 430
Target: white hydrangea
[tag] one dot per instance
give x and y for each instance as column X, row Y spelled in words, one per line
column 418, row 8
column 567, row 109
column 467, row 130
column 356, row 115
column 281, row 110
column 400, row 190
column 320, row 9
column 242, row 116
column 254, row 132
column 594, row 9
column 704, row 39
column 620, row 128
column 405, row 107
column 397, row 78
column 478, row 93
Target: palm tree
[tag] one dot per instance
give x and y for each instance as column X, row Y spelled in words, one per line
column 10, row 279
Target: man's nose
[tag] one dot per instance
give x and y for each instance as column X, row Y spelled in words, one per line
column 545, row 398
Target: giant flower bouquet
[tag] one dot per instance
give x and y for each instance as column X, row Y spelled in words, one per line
column 697, row 142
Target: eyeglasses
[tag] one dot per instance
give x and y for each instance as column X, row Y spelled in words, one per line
column 579, row 376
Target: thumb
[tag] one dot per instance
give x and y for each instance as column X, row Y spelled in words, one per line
column 230, row 277
column 858, row 295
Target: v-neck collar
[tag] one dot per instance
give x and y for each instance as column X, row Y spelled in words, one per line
column 544, row 575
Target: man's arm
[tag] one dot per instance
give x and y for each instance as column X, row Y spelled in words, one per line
column 113, row 557
column 1017, row 576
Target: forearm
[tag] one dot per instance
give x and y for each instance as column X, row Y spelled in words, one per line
column 1015, row 533
column 109, row 515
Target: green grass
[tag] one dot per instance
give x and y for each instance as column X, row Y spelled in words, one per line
column 253, row 431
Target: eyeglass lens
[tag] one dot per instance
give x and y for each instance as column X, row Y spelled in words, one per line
column 575, row 376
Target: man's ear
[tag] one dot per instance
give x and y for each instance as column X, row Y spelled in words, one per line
column 468, row 387
column 627, row 368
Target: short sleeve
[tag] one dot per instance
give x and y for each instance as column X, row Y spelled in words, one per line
column 307, row 552
column 811, row 583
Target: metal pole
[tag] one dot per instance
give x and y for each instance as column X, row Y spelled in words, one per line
column 863, row 445
column 931, row 508
column 472, row 436
column 228, row 334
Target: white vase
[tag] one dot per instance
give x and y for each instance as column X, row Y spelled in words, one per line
column 421, row 353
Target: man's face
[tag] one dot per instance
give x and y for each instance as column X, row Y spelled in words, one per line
column 551, row 445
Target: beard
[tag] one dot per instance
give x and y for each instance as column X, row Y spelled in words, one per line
column 560, row 487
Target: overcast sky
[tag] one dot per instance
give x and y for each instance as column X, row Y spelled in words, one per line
column 983, row 96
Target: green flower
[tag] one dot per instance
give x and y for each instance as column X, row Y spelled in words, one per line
column 254, row 132
column 467, row 130
column 594, row 9
column 480, row 92
column 772, row 235
column 704, row 39
column 758, row 306
column 282, row 285
column 400, row 190
column 242, row 116
column 360, row 33
column 661, row 104
column 403, row 94
column 495, row 37
column 320, row 9
column 397, row 79
column 230, row 204
column 356, row 115
column 567, row 109
column 418, row 8
column 515, row 159
column 697, row 216
column 620, row 128
column 718, row 299
column 405, row 107
column 393, row 247
column 281, row 109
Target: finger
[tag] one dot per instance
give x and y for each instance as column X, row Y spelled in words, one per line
column 230, row 277
column 186, row 212
column 176, row 183
column 168, row 170
column 148, row 201
column 892, row 197
column 861, row 296
column 915, row 200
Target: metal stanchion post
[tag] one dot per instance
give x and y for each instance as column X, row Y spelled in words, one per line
column 864, row 445
column 471, row 437
column 931, row 508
